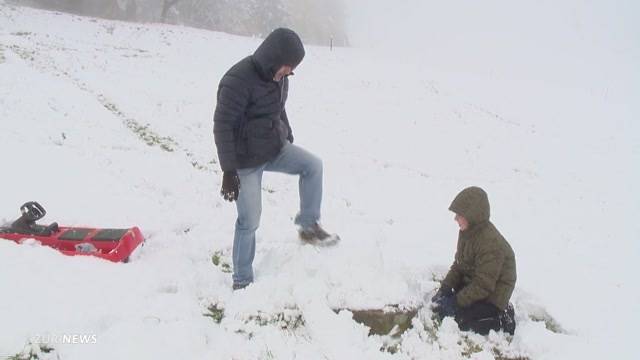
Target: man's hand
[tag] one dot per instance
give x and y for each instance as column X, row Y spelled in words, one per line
column 230, row 185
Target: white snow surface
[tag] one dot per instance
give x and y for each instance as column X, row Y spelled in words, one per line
column 397, row 142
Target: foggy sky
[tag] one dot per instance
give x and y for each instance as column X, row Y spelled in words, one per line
column 574, row 41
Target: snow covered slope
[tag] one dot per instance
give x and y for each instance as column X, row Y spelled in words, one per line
column 110, row 124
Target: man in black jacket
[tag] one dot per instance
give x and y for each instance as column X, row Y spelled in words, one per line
column 252, row 135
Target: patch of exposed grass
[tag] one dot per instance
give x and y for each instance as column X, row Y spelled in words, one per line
column 290, row 319
column 27, row 55
column 549, row 322
column 151, row 138
column 391, row 348
column 469, row 347
column 216, row 312
column 199, row 166
column 392, row 320
column 144, row 132
column 498, row 355
column 32, row 352
column 218, row 259
column 269, row 355
column 427, row 327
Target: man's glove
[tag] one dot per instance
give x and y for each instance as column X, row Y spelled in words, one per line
column 443, row 302
column 230, row 185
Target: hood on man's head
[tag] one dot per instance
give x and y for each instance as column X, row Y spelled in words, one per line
column 473, row 204
column 282, row 47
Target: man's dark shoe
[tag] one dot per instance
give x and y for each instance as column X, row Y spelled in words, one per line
column 315, row 234
column 237, row 286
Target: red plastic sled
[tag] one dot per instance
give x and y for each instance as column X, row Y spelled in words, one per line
column 110, row 244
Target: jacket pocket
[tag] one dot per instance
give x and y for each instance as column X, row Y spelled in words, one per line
column 260, row 128
column 262, row 138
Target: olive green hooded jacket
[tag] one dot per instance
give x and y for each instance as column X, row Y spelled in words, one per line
column 485, row 266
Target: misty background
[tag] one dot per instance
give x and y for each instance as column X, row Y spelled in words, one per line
column 570, row 44
column 510, row 47
column 527, row 59
column 317, row 22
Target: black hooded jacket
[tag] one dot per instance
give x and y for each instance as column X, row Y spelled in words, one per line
column 250, row 123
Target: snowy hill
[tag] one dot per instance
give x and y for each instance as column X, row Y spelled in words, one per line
column 110, row 124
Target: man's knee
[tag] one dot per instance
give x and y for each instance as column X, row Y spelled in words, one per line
column 482, row 317
column 249, row 219
column 248, row 223
column 315, row 165
column 480, row 326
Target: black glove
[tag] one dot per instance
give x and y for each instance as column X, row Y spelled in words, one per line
column 443, row 292
column 445, row 306
column 230, row 185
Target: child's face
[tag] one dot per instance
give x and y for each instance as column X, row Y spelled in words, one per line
column 462, row 222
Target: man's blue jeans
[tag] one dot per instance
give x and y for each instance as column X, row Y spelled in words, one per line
column 292, row 160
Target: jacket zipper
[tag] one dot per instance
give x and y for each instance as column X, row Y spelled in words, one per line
column 281, row 85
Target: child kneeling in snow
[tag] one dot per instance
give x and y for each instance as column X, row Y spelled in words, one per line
column 478, row 286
